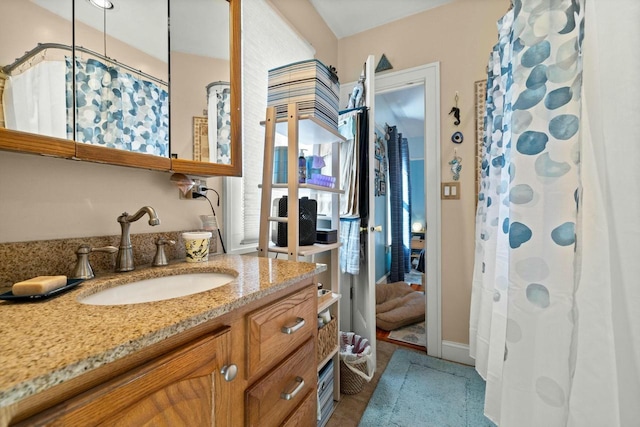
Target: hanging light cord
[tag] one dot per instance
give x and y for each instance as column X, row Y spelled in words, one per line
column 197, row 195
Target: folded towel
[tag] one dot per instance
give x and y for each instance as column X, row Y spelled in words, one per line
column 38, row 285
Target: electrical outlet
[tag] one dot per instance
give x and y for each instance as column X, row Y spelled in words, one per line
column 197, row 186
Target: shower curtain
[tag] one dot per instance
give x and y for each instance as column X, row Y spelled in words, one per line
column 35, row 100
column 555, row 324
column 219, row 119
column 400, row 204
column 115, row 109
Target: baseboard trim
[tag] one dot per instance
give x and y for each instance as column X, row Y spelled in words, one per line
column 457, row 352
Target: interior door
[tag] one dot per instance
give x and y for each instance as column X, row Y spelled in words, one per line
column 363, row 303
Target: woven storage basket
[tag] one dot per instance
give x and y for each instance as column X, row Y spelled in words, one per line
column 327, row 339
column 351, row 383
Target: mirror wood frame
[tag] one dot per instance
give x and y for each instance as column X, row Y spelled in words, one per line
column 11, row 140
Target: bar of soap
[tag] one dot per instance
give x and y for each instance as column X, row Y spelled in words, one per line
column 38, row 285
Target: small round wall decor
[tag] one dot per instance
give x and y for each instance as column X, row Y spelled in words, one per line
column 457, row 137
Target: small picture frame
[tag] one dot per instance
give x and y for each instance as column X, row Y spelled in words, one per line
column 383, row 188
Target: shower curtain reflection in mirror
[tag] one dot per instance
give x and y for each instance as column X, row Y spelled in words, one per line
column 35, row 100
column 116, row 109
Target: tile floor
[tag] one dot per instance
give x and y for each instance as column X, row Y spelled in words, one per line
column 351, row 407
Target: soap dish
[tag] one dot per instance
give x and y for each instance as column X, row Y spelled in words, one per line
column 71, row 283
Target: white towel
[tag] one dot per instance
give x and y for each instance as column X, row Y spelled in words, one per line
column 350, row 249
column 35, row 101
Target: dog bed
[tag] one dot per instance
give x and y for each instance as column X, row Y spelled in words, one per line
column 398, row 305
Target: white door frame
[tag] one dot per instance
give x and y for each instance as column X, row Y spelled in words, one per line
column 429, row 76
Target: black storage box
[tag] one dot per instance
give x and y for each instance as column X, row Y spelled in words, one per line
column 324, row 235
column 307, row 222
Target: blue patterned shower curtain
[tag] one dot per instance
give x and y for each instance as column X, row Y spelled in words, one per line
column 522, row 314
column 115, row 109
column 400, row 204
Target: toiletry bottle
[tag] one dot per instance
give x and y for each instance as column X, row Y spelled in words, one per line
column 302, row 168
column 309, row 167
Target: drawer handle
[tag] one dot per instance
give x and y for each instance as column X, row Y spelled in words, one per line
column 289, row 396
column 291, row 329
column 229, row 372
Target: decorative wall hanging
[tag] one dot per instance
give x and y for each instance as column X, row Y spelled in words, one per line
column 381, row 167
column 457, row 137
column 480, row 101
column 383, row 64
column 455, row 111
column 201, row 139
column 456, row 165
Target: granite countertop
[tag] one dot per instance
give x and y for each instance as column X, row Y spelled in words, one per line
column 45, row 343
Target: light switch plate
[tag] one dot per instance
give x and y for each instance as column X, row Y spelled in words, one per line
column 450, row 191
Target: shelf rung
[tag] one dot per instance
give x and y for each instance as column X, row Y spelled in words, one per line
column 306, row 250
column 326, row 359
column 308, row 187
column 329, row 302
column 278, row 218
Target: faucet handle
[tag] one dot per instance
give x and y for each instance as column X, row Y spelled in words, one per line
column 82, row 269
column 161, row 257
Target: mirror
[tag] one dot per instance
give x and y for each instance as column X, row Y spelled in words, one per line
column 199, row 55
column 121, row 75
column 106, row 150
column 23, row 25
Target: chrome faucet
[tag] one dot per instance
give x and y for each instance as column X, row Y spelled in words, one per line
column 124, row 260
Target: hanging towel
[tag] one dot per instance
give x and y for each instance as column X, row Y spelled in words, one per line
column 350, row 249
column 348, row 164
column 35, row 100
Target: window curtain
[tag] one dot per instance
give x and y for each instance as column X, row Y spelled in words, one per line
column 400, row 204
column 554, row 323
column 116, row 109
column 267, row 42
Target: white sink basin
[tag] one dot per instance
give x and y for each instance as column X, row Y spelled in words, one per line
column 158, row 289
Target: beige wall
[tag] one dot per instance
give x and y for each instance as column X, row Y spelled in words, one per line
column 314, row 29
column 460, row 37
column 190, row 75
column 44, row 198
column 23, row 25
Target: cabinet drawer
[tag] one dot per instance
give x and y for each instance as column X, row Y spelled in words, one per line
column 305, row 415
column 281, row 392
column 279, row 328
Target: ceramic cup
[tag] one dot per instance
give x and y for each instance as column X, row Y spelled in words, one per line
column 197, row 245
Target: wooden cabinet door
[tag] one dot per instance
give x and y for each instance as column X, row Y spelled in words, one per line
column 183, row 387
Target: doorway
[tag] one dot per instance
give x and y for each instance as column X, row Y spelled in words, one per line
column 400, row 112
column 428, row 77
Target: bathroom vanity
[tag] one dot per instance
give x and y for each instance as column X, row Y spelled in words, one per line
column 240, row 354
